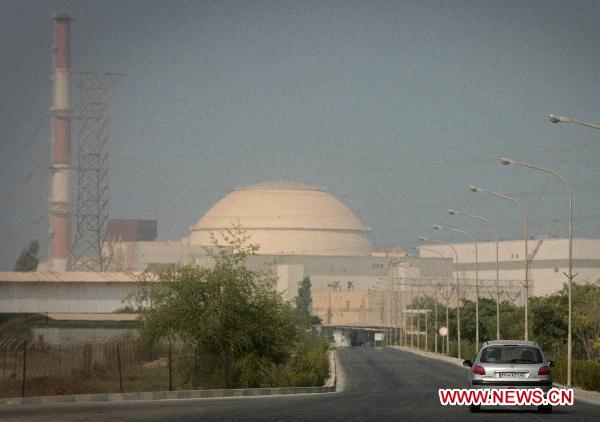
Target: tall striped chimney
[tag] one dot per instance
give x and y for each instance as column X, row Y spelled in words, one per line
column 60, row 233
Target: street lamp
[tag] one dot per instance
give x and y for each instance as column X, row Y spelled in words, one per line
column 495, row 230
column 466, row 233
column 570, row 276
column 424, row 239
column 441, row 255
column 525, row 236
column 554, row 118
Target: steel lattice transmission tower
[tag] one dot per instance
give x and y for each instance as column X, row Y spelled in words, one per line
column 91, row 204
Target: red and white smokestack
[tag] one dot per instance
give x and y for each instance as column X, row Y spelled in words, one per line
column 61, row 147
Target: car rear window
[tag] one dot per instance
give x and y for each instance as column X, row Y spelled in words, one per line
column 511, row 354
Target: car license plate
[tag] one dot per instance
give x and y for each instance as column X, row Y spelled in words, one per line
column 511, row 375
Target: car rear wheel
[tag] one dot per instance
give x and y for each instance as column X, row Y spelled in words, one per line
column 545, row 409
column 475, row 408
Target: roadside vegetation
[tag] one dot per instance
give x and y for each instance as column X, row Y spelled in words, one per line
column 200, row 328
column 547, row 326
column 237, row 330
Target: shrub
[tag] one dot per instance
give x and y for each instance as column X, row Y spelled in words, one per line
column 586, row 374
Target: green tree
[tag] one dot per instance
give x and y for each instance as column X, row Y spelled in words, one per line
column 512, row 320
column 227, row 313
column 304, row 303
column 548, row 327
column 487, row 319
column 549, row 316
column 304, row 300
column 28, row 260
column 586, row 320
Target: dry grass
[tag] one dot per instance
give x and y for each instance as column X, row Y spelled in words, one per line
column 138, row 379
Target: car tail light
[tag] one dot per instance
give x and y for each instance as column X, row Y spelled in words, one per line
column 544, row 370
column 478, row 370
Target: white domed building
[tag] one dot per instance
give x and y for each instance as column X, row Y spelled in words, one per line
column 301, row 231
column 292, row 223
column 286, row 218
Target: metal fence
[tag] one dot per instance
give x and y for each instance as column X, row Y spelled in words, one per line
column 44, row 369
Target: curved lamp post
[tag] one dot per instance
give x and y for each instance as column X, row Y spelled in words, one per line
column 495, row 231
column 466, row 233
column 570, row 275
column 554, row 118
column 525, row 236
column 424, row 239
column 441, row 255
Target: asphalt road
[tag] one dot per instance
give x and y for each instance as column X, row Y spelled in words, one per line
column 378, row 385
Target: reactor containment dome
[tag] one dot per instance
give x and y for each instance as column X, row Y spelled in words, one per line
column 286, row 218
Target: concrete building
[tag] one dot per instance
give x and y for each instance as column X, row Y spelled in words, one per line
column 363, row 308
column 68, row 307
column 548, row 261
column 74, row 328
column 301, row 231
column 304, row 231
column 359, row 291
column 64, row 292
column 282, row 218
column 131, row 230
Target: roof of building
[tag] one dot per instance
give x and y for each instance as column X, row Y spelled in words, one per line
column 287, row 218
column 69, row 277
column 92, row 317
column 282, row 185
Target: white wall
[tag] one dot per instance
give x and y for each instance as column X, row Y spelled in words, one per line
column 320, row 282
column 68, row 335
column 289, row 277
column 54, row 297
column 548, row 259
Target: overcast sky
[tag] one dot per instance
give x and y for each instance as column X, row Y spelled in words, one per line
column 395, row 106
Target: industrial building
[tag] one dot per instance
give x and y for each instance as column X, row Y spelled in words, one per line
column 301, row 230
column 68, row 307
column 548, row 261
column 282, row 218
column 132, row 230
column 305, row 231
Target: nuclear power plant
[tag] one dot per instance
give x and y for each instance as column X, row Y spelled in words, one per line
column 301, row 231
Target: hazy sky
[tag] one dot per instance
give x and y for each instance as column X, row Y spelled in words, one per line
column 395, row 106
